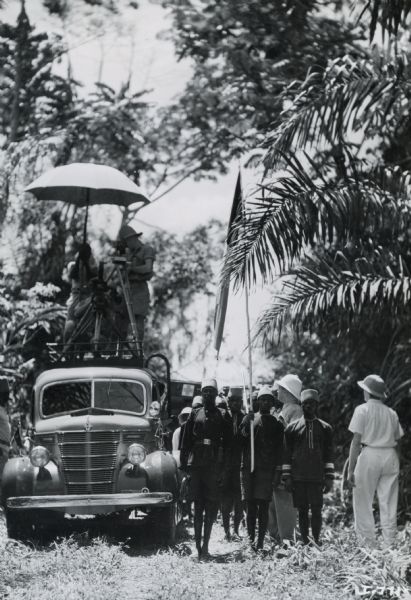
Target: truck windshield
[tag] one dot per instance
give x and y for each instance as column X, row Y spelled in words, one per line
column 119, row 395
column 66, row 397
column 111, row 394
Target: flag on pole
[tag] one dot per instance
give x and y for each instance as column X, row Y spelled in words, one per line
column 224, row 289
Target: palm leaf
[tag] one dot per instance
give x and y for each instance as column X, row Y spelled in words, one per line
column 302, row 208
column 321, row 290
column 389, row 14
column 351, row 95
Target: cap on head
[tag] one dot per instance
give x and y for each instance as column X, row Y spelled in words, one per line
column 186, row 411
column 374, row 385
column 291, row 383
column 197, row 401
column 126, row 232
column 209, row 383
column 236, row 392
column 309, row 395
column 265, row 391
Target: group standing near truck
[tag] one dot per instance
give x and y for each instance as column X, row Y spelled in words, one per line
column 102, row 440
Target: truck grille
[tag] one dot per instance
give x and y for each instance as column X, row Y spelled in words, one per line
column 89, row 460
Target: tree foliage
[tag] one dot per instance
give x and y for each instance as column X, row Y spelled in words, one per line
column 245, row 53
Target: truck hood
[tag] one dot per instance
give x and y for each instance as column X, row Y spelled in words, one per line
column 117, row 421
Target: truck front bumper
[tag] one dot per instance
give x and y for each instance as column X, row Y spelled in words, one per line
column 91, row 504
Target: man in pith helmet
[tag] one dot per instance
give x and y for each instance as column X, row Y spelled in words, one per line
column 257, row 487
column 140, row 261
column 283, row 515
column 374, row 462
column 206, row 437
column 308, row 467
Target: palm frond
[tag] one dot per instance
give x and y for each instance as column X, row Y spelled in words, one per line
column 389, row 14
column 322, row 290
column 302, row 208
column 351, row 95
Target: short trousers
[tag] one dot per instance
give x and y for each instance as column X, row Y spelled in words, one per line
column 307, row 493
column 205, row 483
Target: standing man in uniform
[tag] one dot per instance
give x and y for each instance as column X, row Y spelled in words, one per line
column 231, row 486
column 140, row 260
column 308, row 468
column 282, row 514
column 375, row 467
column 203, row 451
column 257, row 487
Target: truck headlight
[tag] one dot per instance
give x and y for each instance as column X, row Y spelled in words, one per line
column 39, row 456
column 136, row 454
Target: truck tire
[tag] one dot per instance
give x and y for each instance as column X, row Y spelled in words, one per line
column 19, row 527
column 164, row 522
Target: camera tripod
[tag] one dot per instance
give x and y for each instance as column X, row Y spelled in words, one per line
column 99, row 309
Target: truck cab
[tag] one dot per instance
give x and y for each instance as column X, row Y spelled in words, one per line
column 96, row 449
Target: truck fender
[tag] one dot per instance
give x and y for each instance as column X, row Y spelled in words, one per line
column 161, row 469
column 20, row 478
column 17, row 479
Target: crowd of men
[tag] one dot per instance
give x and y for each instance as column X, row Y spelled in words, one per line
column 276, row 462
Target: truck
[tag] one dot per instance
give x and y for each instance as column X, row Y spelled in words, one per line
column 96, row 448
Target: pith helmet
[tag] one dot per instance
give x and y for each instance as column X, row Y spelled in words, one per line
column 186, row 411
column 291, row 383
column 374, row 385
column 197, row 401
column 309, row 395
column 209, row 383
column 265, row 391
column 126, row 231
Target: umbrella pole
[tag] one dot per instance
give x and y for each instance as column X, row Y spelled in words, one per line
column 86, row 219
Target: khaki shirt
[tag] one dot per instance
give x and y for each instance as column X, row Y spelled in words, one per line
column 377, row 424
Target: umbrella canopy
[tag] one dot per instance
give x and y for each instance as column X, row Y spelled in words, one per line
column 85, row 184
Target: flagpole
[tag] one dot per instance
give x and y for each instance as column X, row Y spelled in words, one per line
column 250, row 357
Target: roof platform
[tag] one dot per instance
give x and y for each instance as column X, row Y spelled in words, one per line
column 96, row 355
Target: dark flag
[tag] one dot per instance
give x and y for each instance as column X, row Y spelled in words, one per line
column 223, row 291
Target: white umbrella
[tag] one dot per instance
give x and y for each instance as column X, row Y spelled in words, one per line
column 85, row 184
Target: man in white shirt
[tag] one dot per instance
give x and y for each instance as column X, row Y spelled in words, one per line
column 374, row 462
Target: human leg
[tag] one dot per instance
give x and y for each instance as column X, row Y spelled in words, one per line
column 238, row 512
column 262, row 522
column 304, row 523
column 316, row 522
column 251, row 518
column 199, row 508
column 387, row 492
column 211, row 507
column 140, row 320
column 367, row 473
column 226, row 508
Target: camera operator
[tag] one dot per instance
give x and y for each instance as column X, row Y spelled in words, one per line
column 140, row 259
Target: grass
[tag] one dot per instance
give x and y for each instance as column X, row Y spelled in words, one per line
column 84, row 568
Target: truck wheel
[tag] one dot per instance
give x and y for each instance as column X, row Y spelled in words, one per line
column 165, row 521
column 19, row 526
